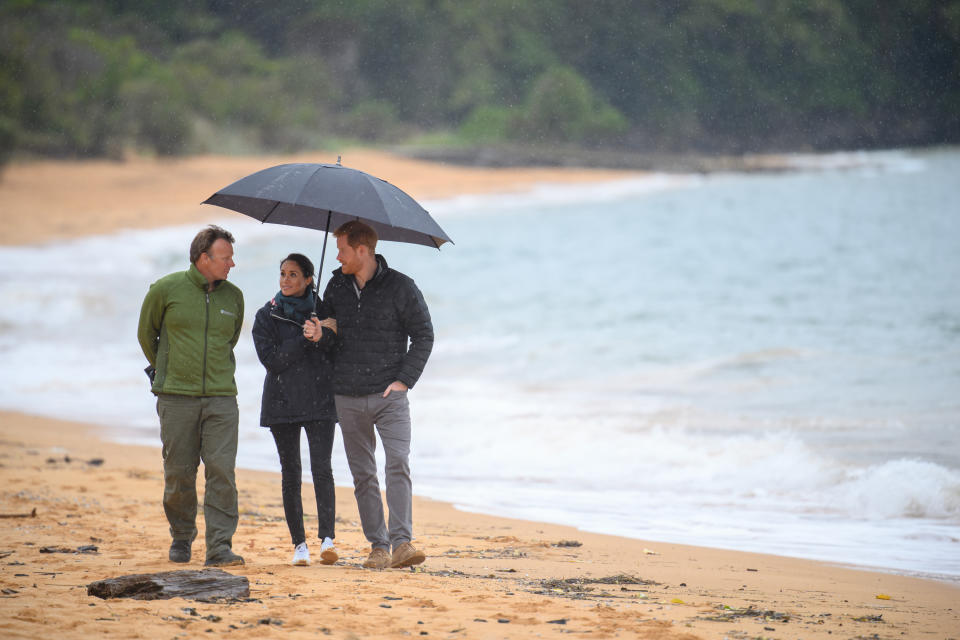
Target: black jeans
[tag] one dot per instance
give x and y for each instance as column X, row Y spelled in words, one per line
column 320, row 441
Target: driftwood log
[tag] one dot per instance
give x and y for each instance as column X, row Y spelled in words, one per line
column 205, row 585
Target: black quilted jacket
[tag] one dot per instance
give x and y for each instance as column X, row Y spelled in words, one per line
column 373, row 326
column 298, row 386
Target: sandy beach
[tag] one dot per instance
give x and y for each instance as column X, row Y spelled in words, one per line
column 485, row 577
column 76, row 508
column 52, row 200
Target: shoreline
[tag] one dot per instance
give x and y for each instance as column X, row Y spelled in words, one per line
column 111, row 434
column 52, row 200
column 48, row 200
column 481, row 571
column 514, row 156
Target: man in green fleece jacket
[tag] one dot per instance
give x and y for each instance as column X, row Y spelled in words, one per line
column 189, row 324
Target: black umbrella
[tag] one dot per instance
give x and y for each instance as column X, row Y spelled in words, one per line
column 324, row 196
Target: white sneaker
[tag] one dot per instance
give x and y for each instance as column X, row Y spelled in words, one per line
column 328, row 553
column 301, row 555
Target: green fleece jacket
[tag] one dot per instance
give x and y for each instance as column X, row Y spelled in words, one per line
column 188, row 334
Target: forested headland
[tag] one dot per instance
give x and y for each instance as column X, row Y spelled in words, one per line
column 103, row 78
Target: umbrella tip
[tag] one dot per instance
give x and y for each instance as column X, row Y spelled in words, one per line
column 338, row 161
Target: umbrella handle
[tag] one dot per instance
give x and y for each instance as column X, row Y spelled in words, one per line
column 323, row 255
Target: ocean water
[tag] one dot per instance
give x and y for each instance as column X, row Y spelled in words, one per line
column 763, row 362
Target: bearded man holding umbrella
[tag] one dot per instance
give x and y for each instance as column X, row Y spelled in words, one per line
column 378, row 311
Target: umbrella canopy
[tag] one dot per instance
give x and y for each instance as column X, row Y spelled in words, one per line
column 324, row 196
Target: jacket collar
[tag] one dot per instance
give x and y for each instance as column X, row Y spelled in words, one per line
column 382, row 268
column 197, row 278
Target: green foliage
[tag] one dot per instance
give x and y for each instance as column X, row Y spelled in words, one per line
column 154, row 114
column 99, row 77
column 371, row 120
column 488, row 124
column 562, row 107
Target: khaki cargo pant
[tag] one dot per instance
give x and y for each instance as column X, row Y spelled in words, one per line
column 193, row 430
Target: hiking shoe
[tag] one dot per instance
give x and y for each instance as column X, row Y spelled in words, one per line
column 328, row 553
column 406, row 555
column 379, row 558
column 301, row 555
column 180, row 551
column 225, row 558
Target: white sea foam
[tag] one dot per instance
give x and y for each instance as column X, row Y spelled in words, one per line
column 901, row 489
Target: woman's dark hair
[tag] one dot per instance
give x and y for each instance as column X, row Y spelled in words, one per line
column 306, row 267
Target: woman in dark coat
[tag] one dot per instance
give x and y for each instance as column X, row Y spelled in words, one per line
column 298, row 393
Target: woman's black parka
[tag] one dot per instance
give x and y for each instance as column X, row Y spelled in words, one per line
column 298, row 386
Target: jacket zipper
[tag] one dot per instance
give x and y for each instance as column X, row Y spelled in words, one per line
column 273, row 315
column 206, row 331
column 359, row 293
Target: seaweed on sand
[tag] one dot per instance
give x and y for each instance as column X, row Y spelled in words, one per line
column 728, row 614
column 580, row 587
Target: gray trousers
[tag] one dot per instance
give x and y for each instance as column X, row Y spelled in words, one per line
column 358, row 415
column 194, row 429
